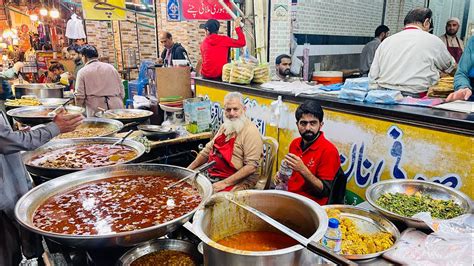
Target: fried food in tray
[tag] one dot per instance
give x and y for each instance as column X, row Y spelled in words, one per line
column 357, row 242
column 23, row 102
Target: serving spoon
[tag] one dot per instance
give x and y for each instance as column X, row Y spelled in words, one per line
column 55, row 111
column 198, row 170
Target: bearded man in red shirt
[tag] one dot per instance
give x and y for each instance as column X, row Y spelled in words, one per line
column 314, row 159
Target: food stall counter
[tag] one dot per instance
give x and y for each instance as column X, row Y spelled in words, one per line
column 375, row 141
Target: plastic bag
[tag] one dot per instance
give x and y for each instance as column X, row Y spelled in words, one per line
column 361, row 84
column 241, row 73
column 261, row 74
column 354, row 95
column 226, row 69
column 450, row 244
column 384, row 96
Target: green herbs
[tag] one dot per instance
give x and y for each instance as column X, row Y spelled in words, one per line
column 408, row 205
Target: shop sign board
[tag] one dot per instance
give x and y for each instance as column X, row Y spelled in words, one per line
column 173, row 11
column 104, row 9
column 204, row 10
column 370, row 149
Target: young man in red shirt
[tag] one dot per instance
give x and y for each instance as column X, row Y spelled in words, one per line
column 315, row 161
column 215, row 48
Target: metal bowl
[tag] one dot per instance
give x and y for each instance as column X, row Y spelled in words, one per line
column 28, row 204
column 410, row 187
column 142, row 115
column 161, row 244
column 26, row 115
column 367, row 222
column 63, row 143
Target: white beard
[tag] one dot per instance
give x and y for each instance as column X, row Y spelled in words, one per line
column 233, row 126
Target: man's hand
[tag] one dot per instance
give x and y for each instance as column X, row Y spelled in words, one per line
column 461, row 94
column 237, row 22
column 218, row 186
column 18, row 66
column 67, row 123
column 295, row 163
column 159, row 61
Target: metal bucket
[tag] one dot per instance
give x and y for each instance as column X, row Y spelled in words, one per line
column 223, row 219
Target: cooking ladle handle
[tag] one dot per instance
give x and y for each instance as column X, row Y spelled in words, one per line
column 323, row 252
column 131, row 124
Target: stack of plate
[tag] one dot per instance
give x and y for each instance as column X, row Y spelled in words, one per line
column 171, row 104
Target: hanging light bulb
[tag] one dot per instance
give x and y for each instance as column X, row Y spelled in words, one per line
column 34, row 17
column 54, row 13
column 43, row 12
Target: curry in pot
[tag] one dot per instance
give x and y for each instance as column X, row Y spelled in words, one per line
column 84, row 156
column 115, row 205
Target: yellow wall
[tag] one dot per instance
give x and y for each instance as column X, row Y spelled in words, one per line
column 381, row 149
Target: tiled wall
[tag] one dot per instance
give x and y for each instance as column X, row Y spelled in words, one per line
column 280, row 29
column 443, row 10
column 100, row 35
column 338, row 17
column 397, row 10
column 112, row 39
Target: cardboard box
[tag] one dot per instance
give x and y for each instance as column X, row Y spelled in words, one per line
column 173, row 81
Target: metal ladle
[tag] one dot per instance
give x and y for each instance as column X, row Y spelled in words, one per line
column 198, row 170
column 122, row 139
column 307, row 243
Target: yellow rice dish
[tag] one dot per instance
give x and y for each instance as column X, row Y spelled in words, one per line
column 357, row 243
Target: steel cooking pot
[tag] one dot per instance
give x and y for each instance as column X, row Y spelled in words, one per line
column 157, row 245
column 41, row 90
column 26, row 205
column 48, row 172
column 222, row 219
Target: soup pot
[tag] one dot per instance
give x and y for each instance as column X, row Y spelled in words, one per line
column 219, row 218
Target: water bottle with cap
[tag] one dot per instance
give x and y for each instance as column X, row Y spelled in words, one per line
column 333, row 237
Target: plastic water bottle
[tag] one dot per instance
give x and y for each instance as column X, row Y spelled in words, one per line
column 333, row 237
column 284, row 175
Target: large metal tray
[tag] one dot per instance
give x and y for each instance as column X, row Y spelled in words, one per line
column 24, row 114
column 367, row 222
column 410, row 187
column 142, row 115
column 64, row 143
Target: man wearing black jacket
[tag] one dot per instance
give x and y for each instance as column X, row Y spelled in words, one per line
column 172, row 51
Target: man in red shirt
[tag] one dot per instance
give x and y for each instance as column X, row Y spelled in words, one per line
column 315, row 161
column 215, row 48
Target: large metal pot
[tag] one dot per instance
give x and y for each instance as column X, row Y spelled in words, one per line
column 27, row 204
column 41, row 90
column 222, row 219
column 157, row 245
column 63, row 143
